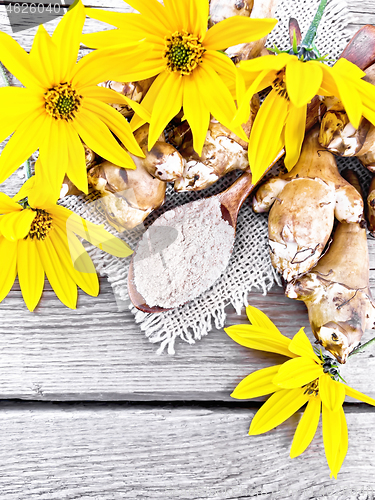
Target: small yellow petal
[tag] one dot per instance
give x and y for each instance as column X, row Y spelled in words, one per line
column 343, row 446
column 8, row 205
column 8, row 259
column 16, row 225
column 259, row 338
column 60, row 280
column 301, row 345
column 30, row 272
column 278, row 408
column 332, row 423
column 237, row 29
column 196, row 113
column 358, row 395
column 331, row 392
column 258, row 318
column 306, row 427
column 294, row 134
column 257, row 384
column 303, row 80
column 297, row 372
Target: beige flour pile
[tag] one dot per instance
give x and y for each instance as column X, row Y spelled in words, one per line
column 183, row 253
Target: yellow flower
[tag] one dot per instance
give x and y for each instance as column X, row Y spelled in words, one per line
column 306, row 378
column 62, row 104
column 184, row 56
column 282, row 116
column 38, row 238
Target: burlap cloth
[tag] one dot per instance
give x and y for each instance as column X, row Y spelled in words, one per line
column 250, row 267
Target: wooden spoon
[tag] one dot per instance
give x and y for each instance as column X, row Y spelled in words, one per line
column 231, row 201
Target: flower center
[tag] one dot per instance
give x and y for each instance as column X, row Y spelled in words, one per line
column 312, row 389
column 62, row 101
column 41, row 225
column 279, row 84
column 183, row 52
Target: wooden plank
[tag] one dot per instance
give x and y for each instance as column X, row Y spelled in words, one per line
column 97, row 353
column 87, row 452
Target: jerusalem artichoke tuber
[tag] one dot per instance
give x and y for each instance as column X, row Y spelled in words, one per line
column 303, row 204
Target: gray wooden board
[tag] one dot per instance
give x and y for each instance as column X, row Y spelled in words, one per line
column 50, row 452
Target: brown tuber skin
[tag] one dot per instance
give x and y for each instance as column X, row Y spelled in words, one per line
column 222, row 152
column 129, row 196
column 261, row 9
column 134, row 90
column 370, row 215
column 336, row 292
column 303, row 205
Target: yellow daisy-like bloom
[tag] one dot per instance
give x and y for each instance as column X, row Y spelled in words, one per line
column 190, row 70
column 38, row 238
column 62, row 104
column 282, row 116
column 306, row 378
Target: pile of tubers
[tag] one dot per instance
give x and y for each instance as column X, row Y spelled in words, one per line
column 330, row 274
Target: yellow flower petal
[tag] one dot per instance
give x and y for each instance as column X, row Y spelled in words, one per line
column 257, row 384
column 67, row 38
column 306, row 427
column 96, row 135
column 263, row 80
column 167, row 105
column 17, row 60
column 331, row 392
column 7, row 205
column 154, row 11
column 196, row 112
column 60, row 280
column 265, row 137
column 297, row 372
column 258, row 318
column 258, row 338
column 94, row 234
column 350, row 98
column 76, row 167
column 8, row 259
column 348, row 69
column 332, row 422
column 217, row 97
column 77, row 261
column 23, row 143
column 39, row 196
column 303, row 80
column 222, row 64
column 110, row 96
column 278, row 408
column 343, row 445
column 116, row 122
column 237, row 29
column 16, row 225
column 108, row 64
column 294, row 134
column 54, row 155
column 199, row 12
column 358, row 395
column 301, row 345
column 30, row 272
column 45, row 59
column 269, row 63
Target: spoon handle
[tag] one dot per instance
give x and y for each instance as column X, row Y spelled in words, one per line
column 233, row 197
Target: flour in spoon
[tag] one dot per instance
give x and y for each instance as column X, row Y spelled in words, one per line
column 183, row 253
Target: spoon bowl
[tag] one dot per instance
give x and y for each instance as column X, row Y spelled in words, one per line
column 231, row 201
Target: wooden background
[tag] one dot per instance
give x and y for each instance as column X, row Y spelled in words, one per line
column 89, row 411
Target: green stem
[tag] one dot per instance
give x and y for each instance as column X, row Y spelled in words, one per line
column 362, row 347
column 27, row 169
column 307, row 42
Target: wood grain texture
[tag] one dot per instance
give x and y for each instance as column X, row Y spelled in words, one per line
column 105, row 452
column 97, row 353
